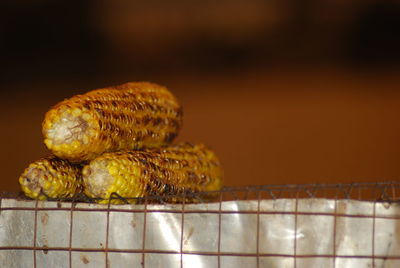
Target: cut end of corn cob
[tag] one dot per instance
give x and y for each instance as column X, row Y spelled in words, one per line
column 70, row 131
column 105, row 176
column 131, row 116
column 174, row 170
column 51, row 177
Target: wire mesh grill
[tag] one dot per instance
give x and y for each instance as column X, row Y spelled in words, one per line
column 130, row 235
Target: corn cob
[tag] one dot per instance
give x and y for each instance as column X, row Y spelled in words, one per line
column 126, row 117
column 51, row 177
column 182, row 169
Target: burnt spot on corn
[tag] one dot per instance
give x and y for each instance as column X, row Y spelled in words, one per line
column 169, row 137
column 86, row 105
column 182, row 169
column 99, row 111
column 130, row 116
column 146, row 119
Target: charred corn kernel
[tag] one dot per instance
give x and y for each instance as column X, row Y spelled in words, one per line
column 51, row 177
column 131, row 116
column 174, row 170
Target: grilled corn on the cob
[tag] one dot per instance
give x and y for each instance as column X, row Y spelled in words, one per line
column 175, row 170
column 51, row 177
column 126, row 117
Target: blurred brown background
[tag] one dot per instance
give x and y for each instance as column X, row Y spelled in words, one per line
column 285, row 91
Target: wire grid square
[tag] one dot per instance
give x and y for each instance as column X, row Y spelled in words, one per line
column 388, row 263
column 238, row 261
column 354, row 236
column 384, row 231
column 239, row 205
column 314, row 262
column 84, row 235
column 278, row 205
column 18, row 222
column 159, row 238
column 16, row 258
column 118, row 260
column 88, row 259
column 242, row 242
column 387, row 209
column 211, row 207
column 384, row 263
column 193, row 232
column 315, row 206
column 276, row 234
column 284, row 262
column 160, row 260
column 199, row 261
column 126, row 231
column 48, row 226
column 356, row 208
column 353, row 262
column 323, row 237
column 9, row 203
column 52, row 258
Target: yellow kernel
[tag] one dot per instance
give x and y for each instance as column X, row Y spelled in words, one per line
column 75, row 144
column 113, row 170
column 48, row 142
column 76, row 112
column 47, row 185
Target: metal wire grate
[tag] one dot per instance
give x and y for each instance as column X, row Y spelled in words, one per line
column 235, row 229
